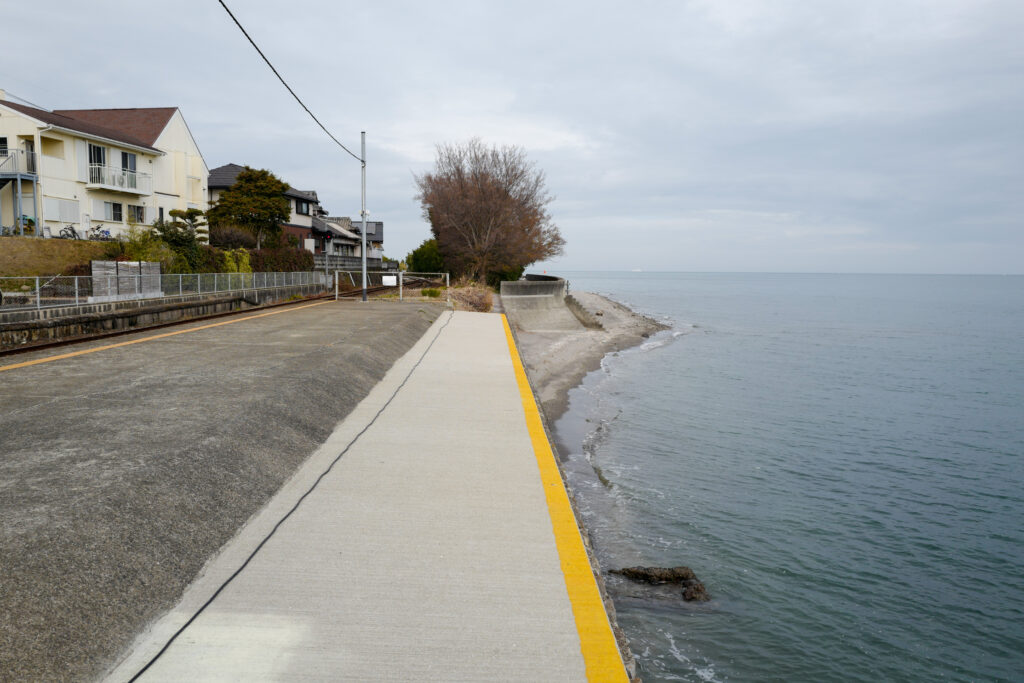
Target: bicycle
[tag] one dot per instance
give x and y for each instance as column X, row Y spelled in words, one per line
column 68, row 232
column 98, row 233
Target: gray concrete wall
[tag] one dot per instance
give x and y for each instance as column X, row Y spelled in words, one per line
column 556, row 287
column 588, row 319
column 24, row 329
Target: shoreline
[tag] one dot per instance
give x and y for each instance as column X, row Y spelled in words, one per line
column 558, row 361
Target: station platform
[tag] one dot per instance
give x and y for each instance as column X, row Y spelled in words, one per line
column 429, row 538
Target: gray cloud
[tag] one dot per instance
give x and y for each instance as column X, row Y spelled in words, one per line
column 828, row 136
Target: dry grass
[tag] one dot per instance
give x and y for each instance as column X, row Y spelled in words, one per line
column 469, row 296
column 24, row 256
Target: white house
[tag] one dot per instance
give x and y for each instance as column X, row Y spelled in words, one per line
column 105, row 168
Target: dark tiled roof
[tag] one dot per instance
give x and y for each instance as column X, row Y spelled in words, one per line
column 225, row 176
column 309, row 196
column 143, row 124
column 69, row 122
column 374, row 229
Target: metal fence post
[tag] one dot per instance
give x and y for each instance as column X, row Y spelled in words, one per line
column 215, row 290
column 76, row 290
column 38, row 303
column 180, row 287
column 400, row 285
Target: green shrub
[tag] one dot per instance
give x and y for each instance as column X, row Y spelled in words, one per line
column 143, row 244
column 211, row 260
column 280, row 260
column 425, row 258
column 237, row 261
column 495, row 277
column 432, row 292
column 231, row 237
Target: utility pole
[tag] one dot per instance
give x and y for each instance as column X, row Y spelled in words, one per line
column 363, row 211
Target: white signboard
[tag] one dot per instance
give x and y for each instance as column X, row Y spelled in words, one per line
column 390, row 280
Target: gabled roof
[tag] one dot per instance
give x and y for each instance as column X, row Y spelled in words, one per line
column 336, row 229
column 374, row 229
column 74, row 124
column 142, row 124
column 225, row 176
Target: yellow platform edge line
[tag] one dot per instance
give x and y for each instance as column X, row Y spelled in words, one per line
column 601, row 655
column 62, row 356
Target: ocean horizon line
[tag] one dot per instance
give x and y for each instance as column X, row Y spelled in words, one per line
column 553, row 271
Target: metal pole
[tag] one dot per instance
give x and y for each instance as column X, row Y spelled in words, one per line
column 17, row 199
column 362, row 160
column 38, row 231
column 399, row 285
column 335, row 285
column 38, row 305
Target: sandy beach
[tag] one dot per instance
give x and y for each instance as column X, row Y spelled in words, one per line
column 557, row 360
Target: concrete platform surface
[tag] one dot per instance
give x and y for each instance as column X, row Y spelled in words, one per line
column 434, row 547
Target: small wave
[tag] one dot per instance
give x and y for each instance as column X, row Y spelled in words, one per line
column 651, row 345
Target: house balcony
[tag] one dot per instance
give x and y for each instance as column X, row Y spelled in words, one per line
column 119, row 180
column 17, row 162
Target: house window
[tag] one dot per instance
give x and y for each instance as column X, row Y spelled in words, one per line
column 136, row 214
column 97, row 155
column 97, row 161
column 3, row 146
column 161, row 210
column 302, row 206
column 112, row 212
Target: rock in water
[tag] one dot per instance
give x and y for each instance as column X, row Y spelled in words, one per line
column 693, row 589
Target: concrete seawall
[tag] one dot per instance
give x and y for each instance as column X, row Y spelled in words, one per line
column 543, row 302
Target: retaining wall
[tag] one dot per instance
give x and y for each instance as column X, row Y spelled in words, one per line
column 549, row 286
column 24, row 329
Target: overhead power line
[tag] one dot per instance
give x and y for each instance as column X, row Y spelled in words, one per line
column 22, row 99
column 283, row 82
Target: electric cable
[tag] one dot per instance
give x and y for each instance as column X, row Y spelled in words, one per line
column 22, row 99
column 285, row 84
column 295, row 507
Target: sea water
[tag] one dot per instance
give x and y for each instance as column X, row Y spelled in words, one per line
column 838, row 457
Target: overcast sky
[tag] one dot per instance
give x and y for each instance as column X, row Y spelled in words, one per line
column 703, row 135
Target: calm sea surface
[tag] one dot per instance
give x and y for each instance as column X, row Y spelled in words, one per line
column 838, row 457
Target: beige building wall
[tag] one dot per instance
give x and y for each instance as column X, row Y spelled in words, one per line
column 178, row 176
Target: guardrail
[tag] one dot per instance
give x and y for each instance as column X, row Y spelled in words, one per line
column 48, row 292
column 389, row 284
column 120, row 179
column 17, row 161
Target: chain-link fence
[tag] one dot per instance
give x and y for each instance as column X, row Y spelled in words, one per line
column 61, row 290
column 385, row 284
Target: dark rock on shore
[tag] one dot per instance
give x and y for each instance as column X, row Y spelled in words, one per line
column 693, row 589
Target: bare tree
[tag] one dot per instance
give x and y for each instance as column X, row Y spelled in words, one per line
column 487, row 208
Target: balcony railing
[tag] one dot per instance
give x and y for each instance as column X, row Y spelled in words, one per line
column 123, row 180
column 17, row 161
